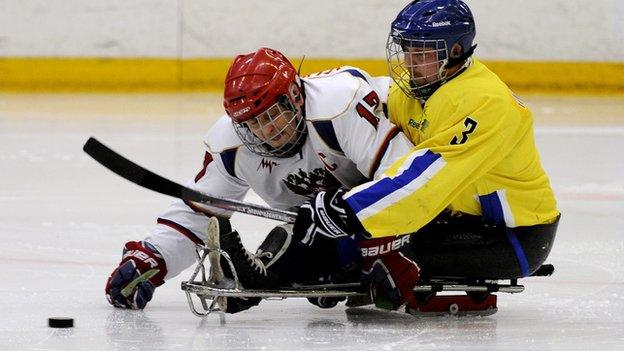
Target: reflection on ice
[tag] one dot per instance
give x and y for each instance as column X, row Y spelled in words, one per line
column 132, row 330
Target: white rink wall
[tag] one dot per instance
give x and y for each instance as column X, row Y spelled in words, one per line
column 551, row 30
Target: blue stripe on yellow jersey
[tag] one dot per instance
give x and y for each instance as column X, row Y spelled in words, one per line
column 414, row 173
column 495, row 209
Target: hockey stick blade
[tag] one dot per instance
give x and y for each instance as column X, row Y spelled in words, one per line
column 150, row 180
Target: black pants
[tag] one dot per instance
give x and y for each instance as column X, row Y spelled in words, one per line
column 467, row 247
column 449, row 246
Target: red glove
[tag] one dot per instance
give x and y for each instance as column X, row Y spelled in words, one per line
column 389, row 276
column 143, row 268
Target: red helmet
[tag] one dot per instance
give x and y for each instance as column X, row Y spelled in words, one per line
column 264, row 100
column 255, row 81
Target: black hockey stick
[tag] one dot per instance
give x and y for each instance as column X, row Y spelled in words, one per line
column 147, row 179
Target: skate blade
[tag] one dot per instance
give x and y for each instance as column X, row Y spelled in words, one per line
column 216, row 276
column 212, row 242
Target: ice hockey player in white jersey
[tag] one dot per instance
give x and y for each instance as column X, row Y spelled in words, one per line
column 284, row 136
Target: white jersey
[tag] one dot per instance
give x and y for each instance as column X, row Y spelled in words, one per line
column 349, row 142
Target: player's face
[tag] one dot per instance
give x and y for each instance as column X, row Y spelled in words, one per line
column 276, row 126
column 422, row 64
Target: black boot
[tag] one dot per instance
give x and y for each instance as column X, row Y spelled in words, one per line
column 251, row 269
column 274, row 245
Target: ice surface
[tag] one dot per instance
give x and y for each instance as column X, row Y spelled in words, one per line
column 64, row 219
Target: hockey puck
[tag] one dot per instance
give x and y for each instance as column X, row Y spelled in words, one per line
column 60, row 322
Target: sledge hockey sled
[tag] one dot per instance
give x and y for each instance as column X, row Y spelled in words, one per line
column 479, row 299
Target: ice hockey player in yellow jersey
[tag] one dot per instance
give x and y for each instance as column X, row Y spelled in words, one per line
column 478, row 140
column 471, row 194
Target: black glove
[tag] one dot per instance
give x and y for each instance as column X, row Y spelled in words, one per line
column 328, row 215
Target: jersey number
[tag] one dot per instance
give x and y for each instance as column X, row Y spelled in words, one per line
column 371, row 100
column 471, row 125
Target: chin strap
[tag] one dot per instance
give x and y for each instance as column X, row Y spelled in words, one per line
column 454, row 61
column 463, row 59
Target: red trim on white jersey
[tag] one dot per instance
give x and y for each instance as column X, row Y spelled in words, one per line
column 382, row 151
column 181, row 229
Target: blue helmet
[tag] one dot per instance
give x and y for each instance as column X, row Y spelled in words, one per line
column 429, row 28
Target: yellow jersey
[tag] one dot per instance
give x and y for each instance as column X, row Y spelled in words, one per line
column 475, row 153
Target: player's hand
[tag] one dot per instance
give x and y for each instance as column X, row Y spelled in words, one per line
column 132, row 283
column 389, row 276
column 327, row 214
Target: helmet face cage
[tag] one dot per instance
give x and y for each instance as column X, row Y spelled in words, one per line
column 284, row 124
column 417, row 66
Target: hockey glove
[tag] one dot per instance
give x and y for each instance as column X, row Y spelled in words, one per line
column 132, row 283
column 328, row 215
column 389, row 276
